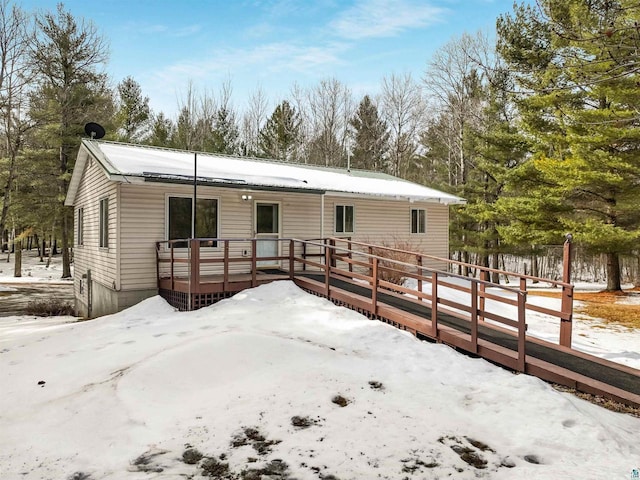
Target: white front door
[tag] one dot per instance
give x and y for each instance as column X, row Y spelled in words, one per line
column 267, row 228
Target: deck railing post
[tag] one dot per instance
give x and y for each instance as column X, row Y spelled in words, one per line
column 291, row 257
column 195, row 263
column 374, row 286
column 254, row 262
column 350, row 255
column 434, row 304
column 225, row 275
column 334, row 261
column 327, row 267
column 522, row 325
column 484, row 276
column 420, row 271
column 158, row 265
column 474, row 316
column 173, row 282
column 304, row 256
column 566, row 325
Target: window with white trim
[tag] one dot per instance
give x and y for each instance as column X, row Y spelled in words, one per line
column 104, row 223
column 179, row 219
column 80, row 226
column 345, row 219
column 418, row 220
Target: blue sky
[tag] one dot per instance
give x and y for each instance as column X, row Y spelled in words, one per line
column 273, row 43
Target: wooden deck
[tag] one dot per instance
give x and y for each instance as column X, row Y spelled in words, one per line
column 350, row 274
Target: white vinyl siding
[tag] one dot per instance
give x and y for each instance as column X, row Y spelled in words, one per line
column 101, row 261
column 142, row 214
column 143, row 222
column 384, row 221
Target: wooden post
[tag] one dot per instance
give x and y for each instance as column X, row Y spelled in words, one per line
column 434, row 304
column 474, row 316
column 291, row 257
column 522, row 325
column 158, row 265
column 254, row 262
column 225, row 275
column 327, row 268
column 374, row 286
column 304, row 256
column 420, row 273
column 566, row 324
column 173, row 281
column 334, row 262
column 350, row 255
column 195, row 264
column 484, row 276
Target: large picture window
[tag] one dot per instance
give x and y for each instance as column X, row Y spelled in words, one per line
column 418, row 220
column 344, row 219
column 104, row 223
column 179, row 222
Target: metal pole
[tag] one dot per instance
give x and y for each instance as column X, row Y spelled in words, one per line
column 195, row 195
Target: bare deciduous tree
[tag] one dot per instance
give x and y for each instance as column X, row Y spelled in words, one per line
column 329, row 107
column 403, row 108
column 253, row 120
column 15, row 77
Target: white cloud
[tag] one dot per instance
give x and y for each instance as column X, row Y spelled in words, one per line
column 267, row 60
column 384, row 18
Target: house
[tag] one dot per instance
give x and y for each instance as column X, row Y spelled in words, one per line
column 128, row 197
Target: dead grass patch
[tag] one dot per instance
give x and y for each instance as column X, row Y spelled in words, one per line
column 603, row 305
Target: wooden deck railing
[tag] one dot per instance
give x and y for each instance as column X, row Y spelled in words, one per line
column 471, row 299
column 564, row 314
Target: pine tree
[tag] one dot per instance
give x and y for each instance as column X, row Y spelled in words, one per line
column 133, row 112
column 225, row 135
column 66, row 54
column 280, row 136
column 371, row 137
column 577, row 65
column 161, row 132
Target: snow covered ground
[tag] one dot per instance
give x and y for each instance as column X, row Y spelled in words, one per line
column 33, row 270
column 276, row 381
column 254, row 383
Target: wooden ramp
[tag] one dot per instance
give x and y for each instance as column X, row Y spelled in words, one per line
column 361, row 277
column 545, row 360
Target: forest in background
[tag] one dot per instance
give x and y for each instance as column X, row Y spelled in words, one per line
column 536, row 125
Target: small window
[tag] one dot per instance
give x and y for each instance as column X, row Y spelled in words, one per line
column 418, row 220
column 344, row 219
column 80, row 226
column 179, row 220
column 104, row 223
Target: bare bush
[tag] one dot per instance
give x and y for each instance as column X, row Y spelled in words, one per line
column 389, row 270
column 49, row 308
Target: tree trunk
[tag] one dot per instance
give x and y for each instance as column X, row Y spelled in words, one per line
column 495, row 276
column 636, row 277
column 66, row 261
column 613, row 272
column 17, row 267
column 535, row 271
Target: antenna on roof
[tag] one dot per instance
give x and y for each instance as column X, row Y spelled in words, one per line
column 94, row 130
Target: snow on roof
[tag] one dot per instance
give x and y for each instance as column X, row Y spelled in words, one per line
column 153, row 163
